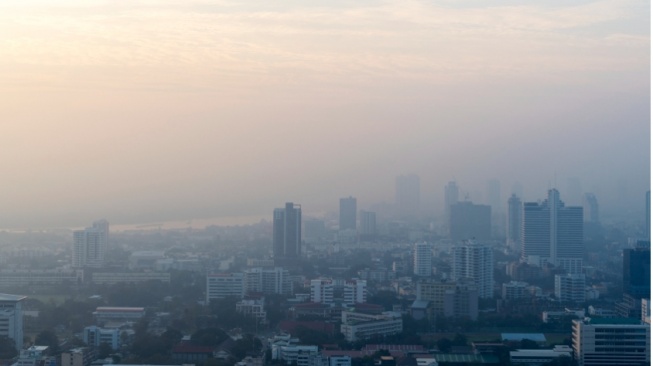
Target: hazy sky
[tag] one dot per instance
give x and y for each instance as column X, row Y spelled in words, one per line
column 155, row 110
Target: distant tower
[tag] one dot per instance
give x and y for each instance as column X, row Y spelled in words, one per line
column 476, row 262
column 407, row 194
column 287, row 232
column 637, row 271
column 590, row 208
column 647, row 224
column 348, row 213
column 451, row 194
column 89, row 246
column 470, row 221
column 553, row 233
column 514, row 235
column 368, row 223
column 103, row 226
column 422, row 260
column 494, row 196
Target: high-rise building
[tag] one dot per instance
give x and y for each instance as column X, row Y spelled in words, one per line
column 322, row 291
column 287, row 232
column 493, row 195
column 647, row 224
column 449, row 298
column 368, row 223
column 89, row 246
column 553, row 233
column 348, row 213
column 407, row 194
column 637, row 271
column 611, row 342
column 513, row 231
column 451, row 193
column 422, row 260
column 470, row 221
column 475, row 262
column 11, row 318
column 103, row 226
column 590, row 208
column 570, row 287
column 355, row 292
column 268, row 281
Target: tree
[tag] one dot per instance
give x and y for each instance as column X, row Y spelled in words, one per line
column 460, row 340
column 104, row 350
column 7, row 348
column 444, row 345
column 50, row 339
column 208, row 337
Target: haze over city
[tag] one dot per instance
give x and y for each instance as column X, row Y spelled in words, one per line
column 147, row 111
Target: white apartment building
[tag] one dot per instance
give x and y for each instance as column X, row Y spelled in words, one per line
column 357, row 326
column 35, row 356
column 89, row 246
column 422, row 260
column 476, row 262
column 94, row 336
column 221, row 285
column 11, row 318
column 268, row 281
column 322, row 290
column 355, row 291
column 514, row 290
column 611, row 342
column 253, row 309
column 570, row 287
column 301, row 355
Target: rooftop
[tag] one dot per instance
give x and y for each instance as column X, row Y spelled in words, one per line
column 9, row 297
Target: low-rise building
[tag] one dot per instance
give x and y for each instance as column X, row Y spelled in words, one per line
column 222, row 285
column 357, row 326
column 611, row 341
column 95, row 336
column 538, row 357
column 112, row 278
column 82, row 356
column 105, row 314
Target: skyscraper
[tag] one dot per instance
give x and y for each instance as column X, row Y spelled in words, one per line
column 348, row 213
column 368, row 223
column 470, row 221
column 493, row 196
column 637, row 271
column 103, row 226
column 553, row 233
column 407, row 194
column 422, row 260
column 287, row 232
column 513, row 232
column 590, row 208
column 476, row 262
column 647, row 224
column 89, row 246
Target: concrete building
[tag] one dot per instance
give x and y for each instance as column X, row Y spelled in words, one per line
column 611, row 342
column 514, row 290
column 105, row 314
column 347, row 218
column 268, row 281
column 358, row 326
column 221, row 285
column 11, row 318
column 570, row 287
column 368, row 223
column 553, row 233
column 95, row 336
column 299, row 355
column 253, row 308
column 514, row 222
column 637, row 271
column 539, row 357
column 111, row 278
column 25, row 277
column 82, row 356
column 422, row 260
column 476, row 262
column 36, row 356
column 469, row 221
column 355, row 291
column 89, row 247
column 287, row 232
column 322, row 291
column 449, row 299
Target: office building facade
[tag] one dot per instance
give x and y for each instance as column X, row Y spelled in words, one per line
column 11, row 318
column 611, row 342
column 475, row 262
column 287, row 232
column 347, row 218
column 637, row 271
column 514, row 223
column 89, row 247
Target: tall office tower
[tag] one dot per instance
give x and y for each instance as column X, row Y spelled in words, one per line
column 287, row 232
column 422, row 260
column 450, row 198
column 610, row 341
column 407, row 194
column 637, row 271
column 348, row 213
column 11, row 318
column 590, row 208
column 476, row 262
column 493, row 195
column 368, row 223
column 513, row 232
column 103, row 226
column 322, row 291
column 470, row 221
column 355, row 292
column 553, row 233
column 89, row 246
column 647, row 224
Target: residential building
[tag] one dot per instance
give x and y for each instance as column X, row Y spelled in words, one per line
column 570, row 287
column 348, row 213
column 368, row 223
column 449, row 298
column 296, row 354
column 422, row 260
column 95, row 336
column 36, row 356
column 82, row 356
column 611, row 342
column 11, row 318
column 514, row 229
column 25, row 277
column 514, row 290
column 476, row 262
column 253, row 308
column 222, row 285
column 553, row 233
column 470, row 221
column 339, row 360
column 355, row 292
column 268, row 281
column 322, row 291
column 89, row 247
column 287, row 232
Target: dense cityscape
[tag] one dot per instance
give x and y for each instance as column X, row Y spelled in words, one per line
column 502, row 282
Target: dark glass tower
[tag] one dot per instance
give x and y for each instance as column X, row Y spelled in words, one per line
column 287, row 232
